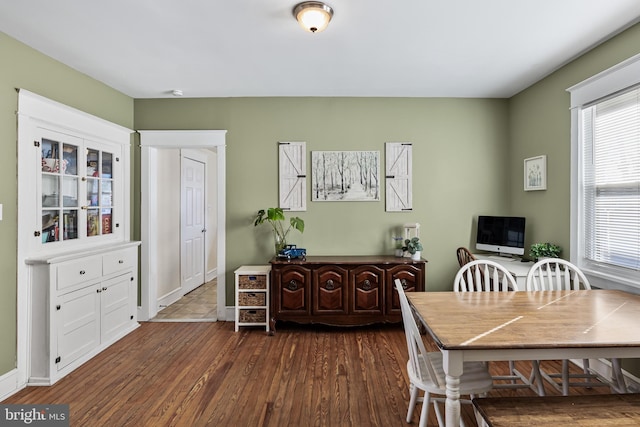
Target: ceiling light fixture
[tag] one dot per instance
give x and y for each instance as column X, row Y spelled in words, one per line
column 313, row 16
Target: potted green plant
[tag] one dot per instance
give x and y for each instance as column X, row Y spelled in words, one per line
column 544, row 250
column 275, row 217
column 413, row 246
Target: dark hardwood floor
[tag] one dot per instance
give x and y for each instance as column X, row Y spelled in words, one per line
column 201, row 374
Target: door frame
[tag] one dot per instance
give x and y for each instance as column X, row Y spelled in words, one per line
column 150, row 142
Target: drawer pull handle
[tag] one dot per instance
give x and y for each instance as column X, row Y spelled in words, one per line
column 121, row 261
column 82, row 272
column 330, row 286
column 104, row 289
column 293, row 285
column 366, row 285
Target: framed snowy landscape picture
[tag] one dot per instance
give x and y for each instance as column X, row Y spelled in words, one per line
column 345, row 176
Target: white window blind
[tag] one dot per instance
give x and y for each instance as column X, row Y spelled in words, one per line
column 611, row 181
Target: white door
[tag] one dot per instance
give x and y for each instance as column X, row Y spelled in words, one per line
column 192, row 224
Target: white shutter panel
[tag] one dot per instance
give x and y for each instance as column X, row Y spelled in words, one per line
column 398, row 176
column 293, row 176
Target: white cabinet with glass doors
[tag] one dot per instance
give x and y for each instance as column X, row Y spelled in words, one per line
column 80, row 182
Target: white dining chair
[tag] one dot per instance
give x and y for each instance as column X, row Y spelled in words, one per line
column 558, row 274
column 426, row 372
column 482, row 276
column 489, row 276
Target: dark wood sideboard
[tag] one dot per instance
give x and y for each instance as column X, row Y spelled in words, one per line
column 341, row 290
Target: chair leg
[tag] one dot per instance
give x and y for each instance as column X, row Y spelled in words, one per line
column 424, row 413
column 536, row 377
column 618, row 377
column 565, row 377
column 413, row 390
column 512, row 370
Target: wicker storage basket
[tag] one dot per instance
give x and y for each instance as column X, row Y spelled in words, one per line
column 253, row 316
column 251, row 298
column 252, row 282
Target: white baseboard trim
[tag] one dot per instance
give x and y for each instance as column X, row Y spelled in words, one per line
column 168, row 299
column 9, row 384
column 211, row 274
column 230, row 314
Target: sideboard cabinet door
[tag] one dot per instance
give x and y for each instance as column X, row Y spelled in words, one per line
column 368, row 289
column 292, row 284
column 412, row 279
column 330, row 290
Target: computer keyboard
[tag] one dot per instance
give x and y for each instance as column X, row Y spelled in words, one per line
column 501, row 258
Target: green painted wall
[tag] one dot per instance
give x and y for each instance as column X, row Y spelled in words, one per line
column 540, row 123
column 23, row 67
column 460, row 152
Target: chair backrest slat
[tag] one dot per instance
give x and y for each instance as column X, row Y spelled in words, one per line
column 554, row 274
column 464, row 256
column 484, row 276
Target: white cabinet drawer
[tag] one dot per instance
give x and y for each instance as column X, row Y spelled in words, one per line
column 121, row 260
column 74, row 272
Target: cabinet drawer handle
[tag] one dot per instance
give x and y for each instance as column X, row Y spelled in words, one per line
column 293, row 285
column 104, row 289
column 330, row 286
column 121, row 261
column 366, row 285
column 82, row 272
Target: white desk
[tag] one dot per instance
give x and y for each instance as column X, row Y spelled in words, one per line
column 517, row 268
column 542, row 325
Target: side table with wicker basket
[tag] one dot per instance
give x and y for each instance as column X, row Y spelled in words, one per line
column 252, row 296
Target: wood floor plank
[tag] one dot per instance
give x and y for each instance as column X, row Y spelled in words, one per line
column 205, row 374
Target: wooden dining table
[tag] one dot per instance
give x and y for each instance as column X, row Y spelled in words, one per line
column 543, row 325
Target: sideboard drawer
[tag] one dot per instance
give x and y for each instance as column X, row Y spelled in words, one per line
column 74, row 272
column 119, row 261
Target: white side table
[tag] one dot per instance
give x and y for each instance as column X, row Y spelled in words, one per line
column 252, row 296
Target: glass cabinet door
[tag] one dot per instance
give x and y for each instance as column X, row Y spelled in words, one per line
column 59, row 190
column 99, row 196
column 77, row 185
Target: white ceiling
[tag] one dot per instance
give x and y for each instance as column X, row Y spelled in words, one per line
column 235, row 48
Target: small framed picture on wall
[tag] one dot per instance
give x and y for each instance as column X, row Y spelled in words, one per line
column 535, row 173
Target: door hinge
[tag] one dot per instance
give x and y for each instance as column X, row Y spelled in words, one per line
column 36, row 143
column 58, row 359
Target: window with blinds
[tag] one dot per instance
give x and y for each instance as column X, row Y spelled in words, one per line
column 611, row 181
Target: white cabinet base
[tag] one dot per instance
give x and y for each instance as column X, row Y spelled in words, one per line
column 81, row 303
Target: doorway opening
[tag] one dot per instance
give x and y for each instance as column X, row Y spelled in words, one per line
column 157, row 226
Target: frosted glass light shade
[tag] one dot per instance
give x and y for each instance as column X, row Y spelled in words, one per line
column 313, row 16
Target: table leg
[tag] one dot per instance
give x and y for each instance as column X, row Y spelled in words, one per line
column 452, row 364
